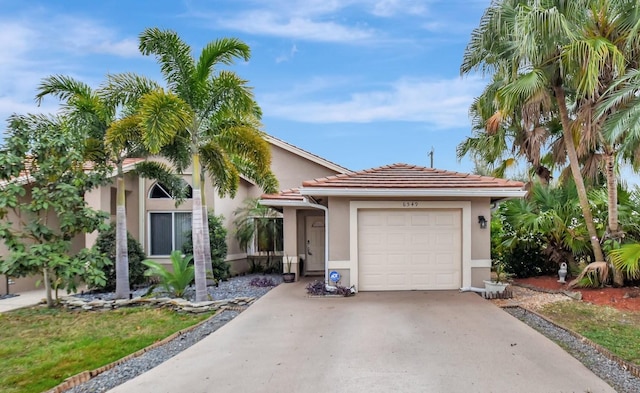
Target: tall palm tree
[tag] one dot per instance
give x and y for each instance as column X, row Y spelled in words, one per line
column 114, row 132
column 221, row 136
column 568, row 53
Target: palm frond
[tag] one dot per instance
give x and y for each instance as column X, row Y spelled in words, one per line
column 223, row 50
column 162, row 115
column 175, row 58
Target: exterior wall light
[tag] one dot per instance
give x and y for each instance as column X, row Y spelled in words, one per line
column 482, row 221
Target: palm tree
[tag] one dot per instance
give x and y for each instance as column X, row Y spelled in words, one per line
column 256, row 221
column 114, row 138
column 221, row 136
column 568, row 53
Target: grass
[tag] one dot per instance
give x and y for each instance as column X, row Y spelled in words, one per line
column 40, row 347
column 618, row 331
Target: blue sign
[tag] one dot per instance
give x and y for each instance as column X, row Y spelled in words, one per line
column 334, row 276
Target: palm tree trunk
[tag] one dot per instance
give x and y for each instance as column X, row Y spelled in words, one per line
column 575, row 171
column 207, row 239
column 614, row 232
column 122, row 254
column 198, row 231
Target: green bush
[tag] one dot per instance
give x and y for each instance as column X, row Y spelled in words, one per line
column 218, row 238
column 176, row 281
column 106, row 244
column 521, row 253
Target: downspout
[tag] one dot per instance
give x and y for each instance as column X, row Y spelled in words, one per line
column 306, row 203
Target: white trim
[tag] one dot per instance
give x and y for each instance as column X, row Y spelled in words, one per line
column 414, row 192
column 305, row 154
column 142, row 223
column 235, row 257
column 481, row 263
column 465, row 206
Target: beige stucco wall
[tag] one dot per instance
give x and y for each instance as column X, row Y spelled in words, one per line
column 291, row 170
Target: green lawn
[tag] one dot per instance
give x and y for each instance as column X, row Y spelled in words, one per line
column 618, row 331
column 40, row 348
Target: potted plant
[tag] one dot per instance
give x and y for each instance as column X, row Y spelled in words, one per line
column 498, row 284
column 287, row 276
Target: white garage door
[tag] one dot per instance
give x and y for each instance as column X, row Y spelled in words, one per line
column 409, row 249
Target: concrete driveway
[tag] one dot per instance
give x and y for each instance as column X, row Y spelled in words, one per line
column 373, row 342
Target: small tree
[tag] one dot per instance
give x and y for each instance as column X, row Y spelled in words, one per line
column 218, row 245
column 44, row 178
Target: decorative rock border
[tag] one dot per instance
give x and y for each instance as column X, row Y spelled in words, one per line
column 178, row 304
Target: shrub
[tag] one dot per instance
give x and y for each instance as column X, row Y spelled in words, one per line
column 218, row 238
column 318, row 288
column 262, row 282
column 520, row 253
column 176, row 281
column 106, row 244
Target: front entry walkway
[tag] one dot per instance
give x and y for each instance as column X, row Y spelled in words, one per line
column 415, row 341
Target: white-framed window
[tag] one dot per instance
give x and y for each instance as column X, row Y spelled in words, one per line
column 168, row 231
column 160, row 191
column 268, row 236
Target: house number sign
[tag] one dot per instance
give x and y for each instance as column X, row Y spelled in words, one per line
column 410, row 204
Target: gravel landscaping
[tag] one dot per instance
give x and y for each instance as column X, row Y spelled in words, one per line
column 234, row 287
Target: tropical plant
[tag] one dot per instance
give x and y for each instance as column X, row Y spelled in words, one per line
column 221, row 135
column 254, row 221
column 552, row 215
column 218, row 235
column 45, row 158
column 176, row 281
column 627, row 259
column 106, row 245
column 559, row 58
column 113, row 130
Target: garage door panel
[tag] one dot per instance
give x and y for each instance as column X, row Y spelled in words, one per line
column 409, row 249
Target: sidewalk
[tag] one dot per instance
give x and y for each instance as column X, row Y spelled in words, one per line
column 24, row 299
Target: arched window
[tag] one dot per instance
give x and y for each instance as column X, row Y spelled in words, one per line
column 160, row 191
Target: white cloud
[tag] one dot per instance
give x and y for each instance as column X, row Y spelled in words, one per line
column 440, row 103
column 302, row 27
column 389, row 8
column 36, row 45
column 288, row 56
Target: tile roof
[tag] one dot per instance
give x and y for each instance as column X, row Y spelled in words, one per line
column 404, row 176
column 292, row 194
column 25, row 176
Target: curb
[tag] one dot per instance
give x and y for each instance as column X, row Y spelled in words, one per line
column 85, row 376
column 629, row 367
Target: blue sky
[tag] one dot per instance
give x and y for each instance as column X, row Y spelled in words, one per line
column 362, row 83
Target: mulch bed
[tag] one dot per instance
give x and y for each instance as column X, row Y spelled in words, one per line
column 625, row 298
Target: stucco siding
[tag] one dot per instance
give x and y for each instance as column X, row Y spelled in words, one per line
column 291, row 170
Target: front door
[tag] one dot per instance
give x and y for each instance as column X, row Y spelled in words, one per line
column 315, row 244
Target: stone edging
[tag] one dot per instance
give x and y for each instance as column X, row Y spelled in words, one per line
column 631, row 368
column 177, row 304
column 231, row 305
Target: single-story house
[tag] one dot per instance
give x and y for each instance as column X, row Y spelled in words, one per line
column 390, row 228
column 396, row 227
column 155, row 221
